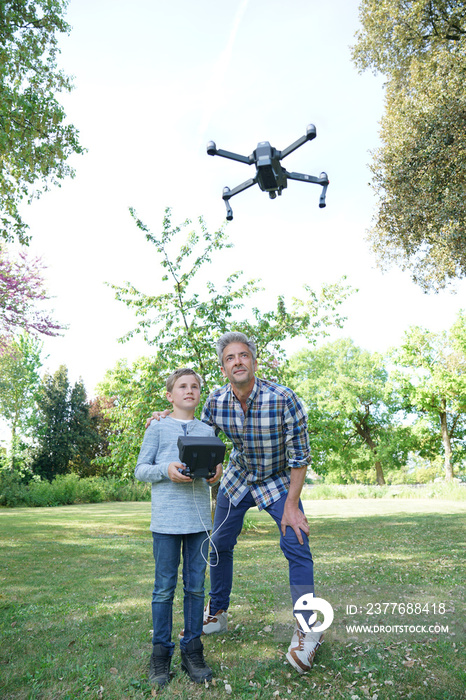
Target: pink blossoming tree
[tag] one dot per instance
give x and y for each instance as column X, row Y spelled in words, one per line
column 22, row 294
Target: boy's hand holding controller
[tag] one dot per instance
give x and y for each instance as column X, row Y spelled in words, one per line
column 175, row 473
column 217, row 476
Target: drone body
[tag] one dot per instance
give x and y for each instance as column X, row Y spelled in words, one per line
column 271, row 176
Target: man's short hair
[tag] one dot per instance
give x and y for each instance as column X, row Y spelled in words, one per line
column 235, row 337
column 170, row 383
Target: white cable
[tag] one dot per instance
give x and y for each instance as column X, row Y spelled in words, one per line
column 210, row 535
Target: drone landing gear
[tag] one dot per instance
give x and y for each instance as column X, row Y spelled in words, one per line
column 321, row 180
column 228, row 194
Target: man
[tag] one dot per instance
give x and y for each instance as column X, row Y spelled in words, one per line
column 267, row 425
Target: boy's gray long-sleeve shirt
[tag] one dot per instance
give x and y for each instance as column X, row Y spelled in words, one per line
column 177, row 509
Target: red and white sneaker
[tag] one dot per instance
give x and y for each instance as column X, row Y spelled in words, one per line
column 302, row 649
column 215, row 623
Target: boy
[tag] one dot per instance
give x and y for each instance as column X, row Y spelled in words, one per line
column 180, row 519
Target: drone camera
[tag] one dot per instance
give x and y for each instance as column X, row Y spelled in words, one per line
column 267, row 178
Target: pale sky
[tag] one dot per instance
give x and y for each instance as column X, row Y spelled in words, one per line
column 154, row 81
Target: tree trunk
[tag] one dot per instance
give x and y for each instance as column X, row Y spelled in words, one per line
column 13, row 446
column 364, row 433
column 379, row 472
column 446, row 444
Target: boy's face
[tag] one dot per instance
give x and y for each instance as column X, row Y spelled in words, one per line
column 186, row 392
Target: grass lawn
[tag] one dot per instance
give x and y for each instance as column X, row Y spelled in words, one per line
column 76, row 584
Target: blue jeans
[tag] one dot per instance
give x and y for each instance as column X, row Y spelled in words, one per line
column 300, row 564
column 167, row 550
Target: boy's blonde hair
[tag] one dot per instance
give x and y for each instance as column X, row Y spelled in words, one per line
column 170, row 383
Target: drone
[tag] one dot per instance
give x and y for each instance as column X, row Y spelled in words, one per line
column 271, row 176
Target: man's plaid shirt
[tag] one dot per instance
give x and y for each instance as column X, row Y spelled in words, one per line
column 268, row 440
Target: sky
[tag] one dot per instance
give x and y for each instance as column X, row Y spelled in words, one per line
column 154, row 82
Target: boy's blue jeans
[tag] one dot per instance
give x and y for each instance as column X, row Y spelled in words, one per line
column 300, row 564
column 167, row 551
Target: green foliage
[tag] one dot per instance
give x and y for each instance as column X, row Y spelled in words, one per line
column 366, row 426
column 419, row 171
column 35, row 141
column 184, row 322
column 416, row 471
column 20, row 363
column 432, row 379
column 97, row 448
column 354, row 423
column 396, row 31
column 81, row 430
column 67, row 489
column 419, row 174
column 54, row 449
column 452, row 491
column 135, row 391
column 65, row 434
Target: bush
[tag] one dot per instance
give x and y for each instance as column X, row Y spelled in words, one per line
column 454, row 491
column 68, row 489
column 11, row 489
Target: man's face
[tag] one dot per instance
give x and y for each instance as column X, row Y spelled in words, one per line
column 238, row 365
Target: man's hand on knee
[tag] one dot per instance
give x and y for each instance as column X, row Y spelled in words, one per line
column 294, row 517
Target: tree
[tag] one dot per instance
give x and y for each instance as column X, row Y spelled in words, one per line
column 131, row 393
column 99, row 449
column 432, row 379
column 19, row 381
column 418, row 173
column 396, row 31
column 65, row 434
column 83, row 436
column 35, row 141
column 22, row 291
column 54, row 450
column 183, row 323
column 353, row 413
